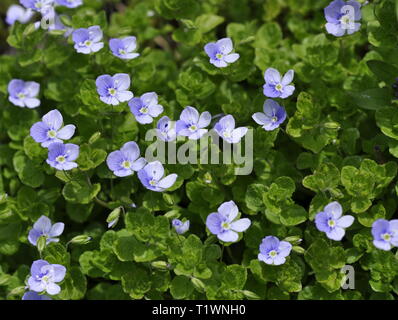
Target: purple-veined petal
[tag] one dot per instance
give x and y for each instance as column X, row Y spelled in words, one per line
column 43, row 224
column 228, row 236
column 335, row 29
column 241, row 225
column 167, row 181
column 287, row 91
column 381, row 244
column 288, row 77
column 66, row 132
column 95, row 33
column 131, row 151
column 53, row 288
column 204, row 119
column 56, row 229
column 59, row 272
column 32, row 103
column 114, row 160
column 72, row 151
column 190, row 115
column 155, row 110
column 231, row 58
column 213, row 223
column 225, row 45
column 138, row 164
column 345, row 221
column 39, row 132
column 272, row 76
column 229, row 210
column 336, row 234
column 122, row 81
column 334, row 208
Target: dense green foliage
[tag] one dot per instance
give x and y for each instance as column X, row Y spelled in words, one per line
column 340, row 142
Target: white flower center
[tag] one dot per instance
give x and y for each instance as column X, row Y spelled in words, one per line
column 331, row 223
column 219, row 56
column 274, row 119
column 153, row 182
column 60, row 159
column 279, row 87
column 226, row 225
column 144, row 110
column 273, row 253
column 112, row 91
column 193, row 127
column 346, row 21
column 21, row 95
column 386, row 237
column 51, row 134
column 226, row 134
column 126, row 164
column 122, row 51
column 87, row 43
column 38, row 5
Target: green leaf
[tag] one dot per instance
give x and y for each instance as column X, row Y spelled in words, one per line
column 181, row 287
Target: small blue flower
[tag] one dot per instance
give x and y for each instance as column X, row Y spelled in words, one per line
column 62, row 156
column 113, row 90
column 18, row 13
column 273, row 251
column 165, row 129
column 225, row 128
column 23, row 94
column 146, row 107
column 41, row 6
column 273, row 115
column 88, row 40
column 124, row 48
column 220, row 52
column 70, row 3
column 151, row 176
column 179, row 226
column 43, row 227
column 341, row 17
column 49, row 129
column 125, row 161
column 331, row 222
column 277, row 87
column 31, row 295
column 223, row 224
column 45, row 276
column 192, row 125
column 385, row 234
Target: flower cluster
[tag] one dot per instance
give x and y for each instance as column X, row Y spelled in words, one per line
column 50, row 132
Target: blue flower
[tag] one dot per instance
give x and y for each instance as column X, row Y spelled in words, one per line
column 191, row 124
column 23, row 94
column 179, row 226
column 31, row 295
column 273, row 115
column 277, row 87
column 220, row 52
column 45, row 276
column 341, row 17
column 43, row 227
column 385, row 234
column 151, row 176
column 225, row 128
column 146, row 107
column 113, row 90
column 223, row 224
column 124, row 48
column 125, row 161
column 273, row 251
column 70, row 3
column 62, row 156
column 165, row 129
column 88, row 40
column 18, row 13
column 331, row 222
column 49, row 129
column 41, row 6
